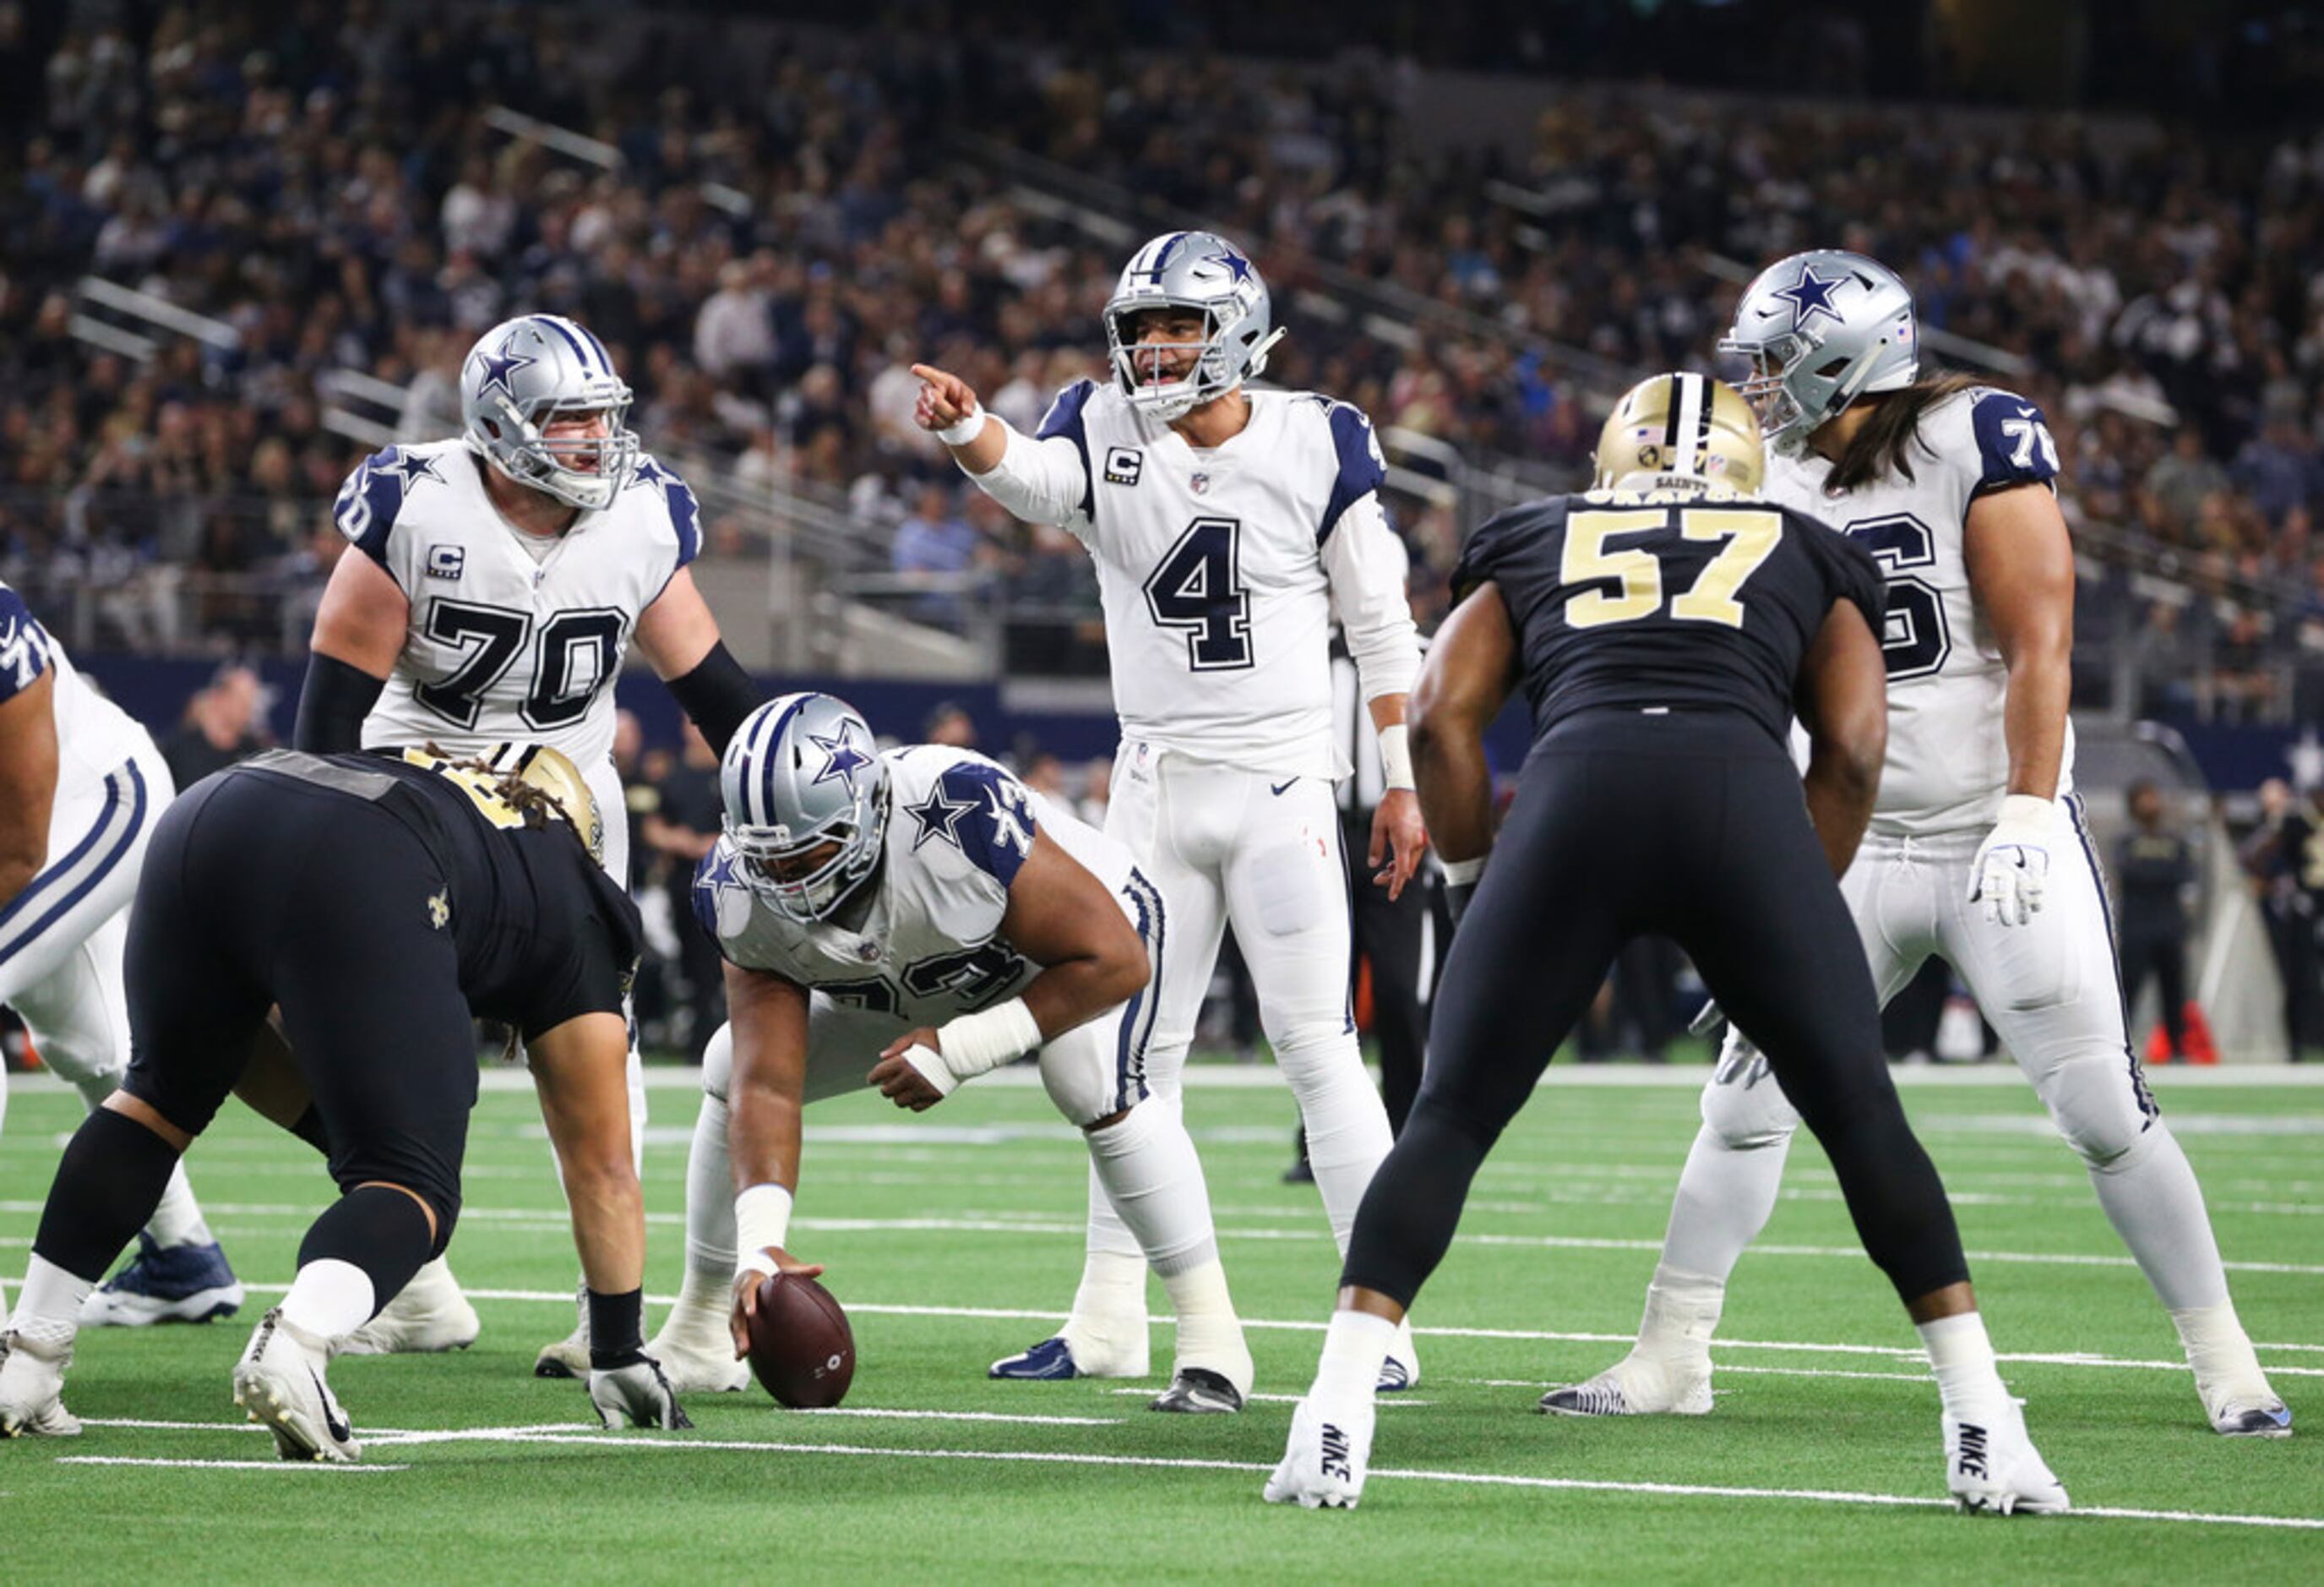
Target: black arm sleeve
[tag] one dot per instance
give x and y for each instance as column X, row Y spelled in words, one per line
column 717, row 694
column 332, row 706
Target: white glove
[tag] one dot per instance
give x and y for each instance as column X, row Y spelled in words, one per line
column 636, row 1396
column 2013, row 863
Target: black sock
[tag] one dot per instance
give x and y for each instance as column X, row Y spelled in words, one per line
column 107, row 1184
column 617, row 1325
column 376, row 1228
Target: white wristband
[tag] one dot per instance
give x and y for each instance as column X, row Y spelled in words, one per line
column 975, row 1043
column 1396, row 756
column 1461, row 873
column 762, row 1220
column 969, row 428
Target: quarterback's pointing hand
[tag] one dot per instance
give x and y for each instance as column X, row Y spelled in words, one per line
column 946, row 398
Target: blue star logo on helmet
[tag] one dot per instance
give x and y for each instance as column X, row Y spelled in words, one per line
column 1810, row 296
column 1234, row 262
column 500, row 366
column 841, row 757
column 939, row 817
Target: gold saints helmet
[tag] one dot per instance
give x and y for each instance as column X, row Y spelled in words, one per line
column 549, row 772
column 1677, row 430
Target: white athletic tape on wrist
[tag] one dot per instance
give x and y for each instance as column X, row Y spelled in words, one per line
column 762, row 1220
column 975, row 1043
column 930, row 1064
column 1396, row 756
column 1463, row 872
column 967, row 430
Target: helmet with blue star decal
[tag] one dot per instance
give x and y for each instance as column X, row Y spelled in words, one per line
column 1189, row 321
column 1821, row 330
column 541, row 400
column 806, row 803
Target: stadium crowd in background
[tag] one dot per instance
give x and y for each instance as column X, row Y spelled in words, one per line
column 766, row 265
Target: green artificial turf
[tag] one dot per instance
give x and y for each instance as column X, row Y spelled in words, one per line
column 928, row 1223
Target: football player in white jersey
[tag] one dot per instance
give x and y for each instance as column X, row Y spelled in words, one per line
column 1979, row 850
column 504, row 574
column 1229, row 526
column 80, row 787
column 911, row 920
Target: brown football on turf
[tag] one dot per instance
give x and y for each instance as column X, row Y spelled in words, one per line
column 801, row 1349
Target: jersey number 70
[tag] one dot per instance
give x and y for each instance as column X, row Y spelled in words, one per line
column 573, row 659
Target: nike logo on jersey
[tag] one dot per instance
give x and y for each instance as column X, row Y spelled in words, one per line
column 1276, row 788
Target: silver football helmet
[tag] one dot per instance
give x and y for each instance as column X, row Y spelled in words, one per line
column 1208, row 274
column 524, row 372
column 803, row 775
column 1821, row 330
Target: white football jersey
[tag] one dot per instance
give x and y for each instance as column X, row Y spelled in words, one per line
column 1220, row 571
column 94, row 735
column 502, row 646
column 1948, row 765
column 959, row 827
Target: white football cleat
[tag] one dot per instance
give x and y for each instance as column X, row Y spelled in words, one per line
column 279, row 1382
column 569, row 1356
column 696, row 1360
column 1323, row 1467
column 1992, row 1468
column 1400, row 1367
column 1638, row 1386
column 32, row 1389
column 2243, row 1404
column 429, row 1315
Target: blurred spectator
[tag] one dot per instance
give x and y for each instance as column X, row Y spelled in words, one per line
column 2284, row 857
column 1097, row 790
column 684, row 826
column 2155, row 883
column 222, row 725
column 950, row 724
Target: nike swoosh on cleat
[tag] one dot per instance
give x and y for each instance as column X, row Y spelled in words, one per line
column 340, row 1430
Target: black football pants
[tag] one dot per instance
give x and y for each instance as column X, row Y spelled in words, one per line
column 1691, row 826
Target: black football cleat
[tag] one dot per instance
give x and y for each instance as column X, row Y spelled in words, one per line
column 1200, row 1392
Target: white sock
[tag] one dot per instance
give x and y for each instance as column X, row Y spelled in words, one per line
column 1725, row 1196
column 48, row 1308
column 1355, row 1343
column 2151, row 1197
column 330, row 1297
column 1210, row 1334
column 1153, row 1181
column 2219, row 1349
column 178, row 1220
column 1682, row 1313
column 1968, row 1380
column 1109, row 1314
column 710, row 1195
column 1346, row 1123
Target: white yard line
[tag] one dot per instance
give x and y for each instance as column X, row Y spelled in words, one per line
column 627, row 1444
column 124, row 1459
column 1557, row 1336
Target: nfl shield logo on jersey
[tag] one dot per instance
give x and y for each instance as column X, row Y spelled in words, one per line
column 1201, row 483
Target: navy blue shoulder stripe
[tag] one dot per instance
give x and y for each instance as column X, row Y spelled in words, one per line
column 1361, row 470
column 1064, row 418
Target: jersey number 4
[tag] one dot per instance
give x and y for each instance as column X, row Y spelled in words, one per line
column 1198, row 587
column 1748, row 539
column 573, row 658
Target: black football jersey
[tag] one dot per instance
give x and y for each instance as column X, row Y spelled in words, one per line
column 1685, row 602
column 542, row 929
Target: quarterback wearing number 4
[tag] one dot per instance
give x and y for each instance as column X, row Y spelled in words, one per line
column 1978, row 851
column 504, row 574
column 1229, row 526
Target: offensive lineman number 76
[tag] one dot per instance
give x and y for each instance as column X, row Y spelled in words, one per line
column 1750, row 538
